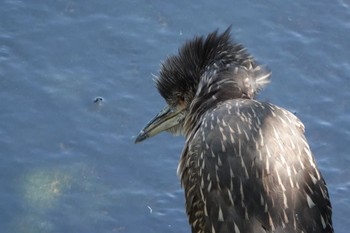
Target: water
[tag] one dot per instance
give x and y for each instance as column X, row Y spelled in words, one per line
column 69, row 165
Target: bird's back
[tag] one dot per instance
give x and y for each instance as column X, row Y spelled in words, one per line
column 247, row 167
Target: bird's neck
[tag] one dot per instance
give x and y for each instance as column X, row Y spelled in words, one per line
column 214, row 87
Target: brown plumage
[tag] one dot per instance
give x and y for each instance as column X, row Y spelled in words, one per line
column 246, row 165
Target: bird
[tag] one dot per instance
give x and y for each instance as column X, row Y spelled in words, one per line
column 246, row 165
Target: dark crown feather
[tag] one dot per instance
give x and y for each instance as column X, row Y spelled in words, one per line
column 180, row 75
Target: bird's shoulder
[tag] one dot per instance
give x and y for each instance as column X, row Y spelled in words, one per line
column 245, row 120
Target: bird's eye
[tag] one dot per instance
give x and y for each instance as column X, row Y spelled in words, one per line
column 245, row 95
column 181, row 103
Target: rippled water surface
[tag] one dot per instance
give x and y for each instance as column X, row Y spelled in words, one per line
column 69, row 164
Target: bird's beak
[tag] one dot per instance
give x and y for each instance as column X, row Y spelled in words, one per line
column 164, row 120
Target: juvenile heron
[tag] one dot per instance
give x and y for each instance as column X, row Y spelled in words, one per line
column 246, row 165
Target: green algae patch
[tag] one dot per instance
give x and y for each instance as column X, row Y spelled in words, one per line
column 42, row 188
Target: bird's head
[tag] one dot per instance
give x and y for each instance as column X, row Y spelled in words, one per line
column 204, row 67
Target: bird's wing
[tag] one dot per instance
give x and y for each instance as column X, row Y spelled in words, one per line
column 248, row 168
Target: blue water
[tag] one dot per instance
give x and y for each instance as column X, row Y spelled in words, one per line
column 69, row 164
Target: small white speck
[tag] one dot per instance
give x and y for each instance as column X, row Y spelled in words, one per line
column 271, row 223
column 238, row 129
column 209, row 186
column 221, row 216
column 241, row 190
column 285, row 200
column 213, row 229
column 261, row 199
column 230, row 197
column 285, row 217
column 314, row 180
column 205, row 211
column 150, row 209
column 309, row 201
column 219, row 161
column 246, row 135
column 267, row 166
column 323, row 222
column 273, row 114
column 237, row 229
